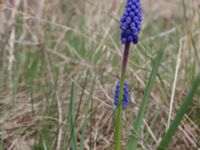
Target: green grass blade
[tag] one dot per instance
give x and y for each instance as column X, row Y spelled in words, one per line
column 1, row 144
column 65, row 146
column 72, row 118
column 184, row 10
column 86, row 111
column 44, row 144
column 179, row 116
column 139, row 120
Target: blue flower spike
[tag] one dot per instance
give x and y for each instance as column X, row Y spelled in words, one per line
column 125, row 94
column 131, row 22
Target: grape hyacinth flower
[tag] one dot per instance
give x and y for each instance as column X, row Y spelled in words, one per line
column 125, row 94
column 131, row 22
column 130, row 28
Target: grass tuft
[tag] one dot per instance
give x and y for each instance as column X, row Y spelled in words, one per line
column 179, row 116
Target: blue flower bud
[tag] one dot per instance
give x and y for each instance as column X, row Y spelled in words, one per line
column 125, row 14
column 123, row 40
column 128, row 9
column 133, row 7
column 130, row 38
column 128, row 20
column 132, row 25
column 125, row 94
column 134, row 30
column 124, row 26
column 132, row 14
column 123, row 33
column 135, row 39
column 122, row 19
column 128, row 32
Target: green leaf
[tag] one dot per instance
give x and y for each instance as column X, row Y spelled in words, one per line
column 132, row 144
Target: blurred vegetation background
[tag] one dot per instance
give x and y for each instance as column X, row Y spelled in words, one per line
column 59, row 61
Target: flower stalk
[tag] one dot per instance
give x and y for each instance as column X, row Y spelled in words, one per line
column 130, row 27
column 118, row 127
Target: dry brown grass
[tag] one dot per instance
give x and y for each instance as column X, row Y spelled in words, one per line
column 43, row 29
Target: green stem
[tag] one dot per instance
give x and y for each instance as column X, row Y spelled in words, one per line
column 118, row 127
